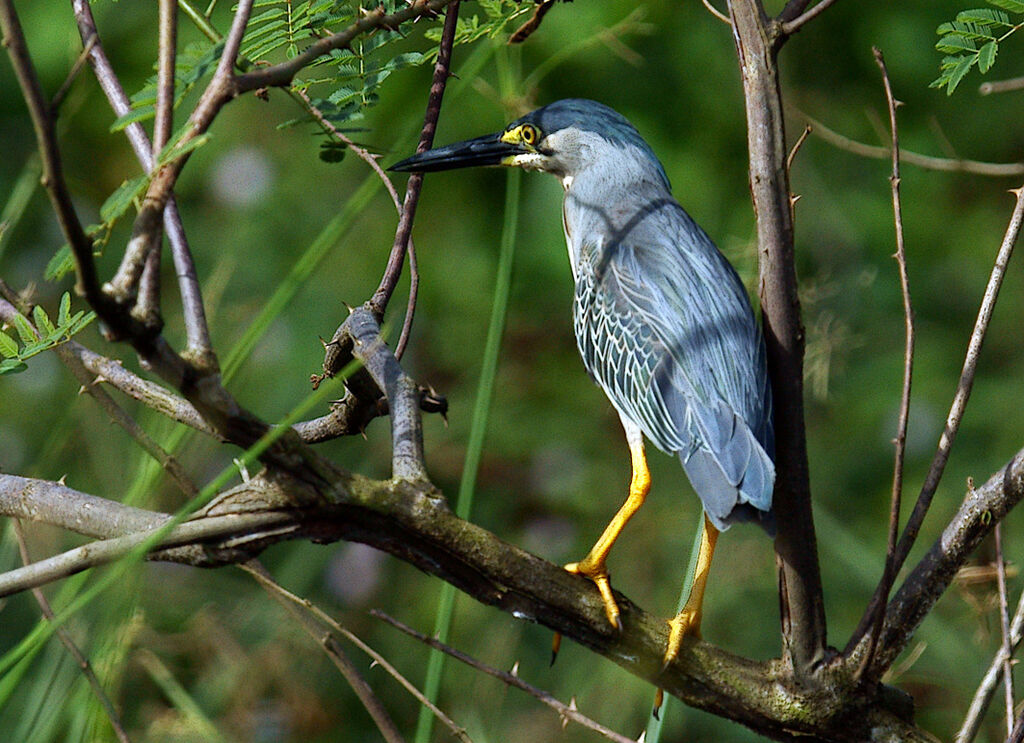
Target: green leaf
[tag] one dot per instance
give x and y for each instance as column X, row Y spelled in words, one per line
column 142, row 113
column 987, row 56
column 1014, row 6
column 12, row 366
column 984, row 17
column 60, row 264
column 25, row 331
column 64, row 311
column 955, row 43
column 122, row 198
column 8, row 346
column 79, row 321
column 958, row 72
column 175, row 149
column 43, row 321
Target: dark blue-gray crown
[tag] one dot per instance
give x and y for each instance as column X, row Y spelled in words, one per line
column 590, row 116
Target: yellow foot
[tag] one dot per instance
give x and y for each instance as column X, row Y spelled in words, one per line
column 599, row 575
column 685, row 624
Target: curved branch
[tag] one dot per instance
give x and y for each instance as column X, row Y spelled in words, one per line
column 411, row 521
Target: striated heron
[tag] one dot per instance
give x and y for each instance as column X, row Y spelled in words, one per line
column 662, row 322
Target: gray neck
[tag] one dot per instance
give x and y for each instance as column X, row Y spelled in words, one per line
column 603, row 202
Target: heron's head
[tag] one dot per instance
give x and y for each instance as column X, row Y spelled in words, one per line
column 564, row 138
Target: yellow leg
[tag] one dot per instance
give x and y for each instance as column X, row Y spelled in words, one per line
column 593, row 565
column 687, row 622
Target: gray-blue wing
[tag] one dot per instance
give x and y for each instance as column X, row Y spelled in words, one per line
column 665, row 327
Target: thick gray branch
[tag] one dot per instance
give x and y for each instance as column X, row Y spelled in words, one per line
column 413, row 522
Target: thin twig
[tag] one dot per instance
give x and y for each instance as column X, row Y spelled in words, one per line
column 524, row 32
column 962, row 395
column 564, row 711
column 791, row 27
column 146, row 229
column 1004, row 627
column 1001, row 86
column 379, row 302
column 53, row 173
column 163, row 123
column 963, row 391
column 796, row 147
column 197, row 333
column 987, row 686
column 948, row 165
column 716, row 12
column 291, row 601
column 877, row 608
column 314, row 629
column 66, row 640
column 76, row 68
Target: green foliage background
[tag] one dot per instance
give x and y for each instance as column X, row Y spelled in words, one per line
column 554, row 466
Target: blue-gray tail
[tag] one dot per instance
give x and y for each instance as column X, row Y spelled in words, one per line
column 734, row 480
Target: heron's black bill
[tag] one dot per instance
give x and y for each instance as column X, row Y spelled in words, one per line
column 486, row 150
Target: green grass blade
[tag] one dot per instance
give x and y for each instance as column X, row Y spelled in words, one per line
column 478, row 429
column 655, row 724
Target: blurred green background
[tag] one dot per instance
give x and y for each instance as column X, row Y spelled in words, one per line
column 554, row 466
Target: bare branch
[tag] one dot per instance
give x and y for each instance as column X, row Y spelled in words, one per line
column 163, row 123
column 983, row 695
column 1004, row 627
column 875, row 613
column 977, row 516
column 948, row 165
column 716, row 12
column 1001, row 86
column 790, row 27
column 564, row 711
column 58, row 505
column 313, row 618
column 379, row 302
column 53, row 173
column 963, row 393
column 963, row 390
column 213, row 528
column 803, row 612
column 68, row 642
column 150, row 394
column 146, row 229
column 524, row 32
column 197, row 334
column 401, row 392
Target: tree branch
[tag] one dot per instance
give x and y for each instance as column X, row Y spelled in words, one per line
column 928, row 162
column 981, row 510
column 803, row 613
column 199, row 349
column 875, row 613
column 411, row 521
column 987, row 687
column 379, row 302
column 956, row 411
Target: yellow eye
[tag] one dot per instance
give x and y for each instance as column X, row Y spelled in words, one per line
column 528, row 134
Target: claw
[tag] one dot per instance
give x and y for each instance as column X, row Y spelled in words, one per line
column 556, row 644
column 598, row 574
column 659, row 699
column 685, row 624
